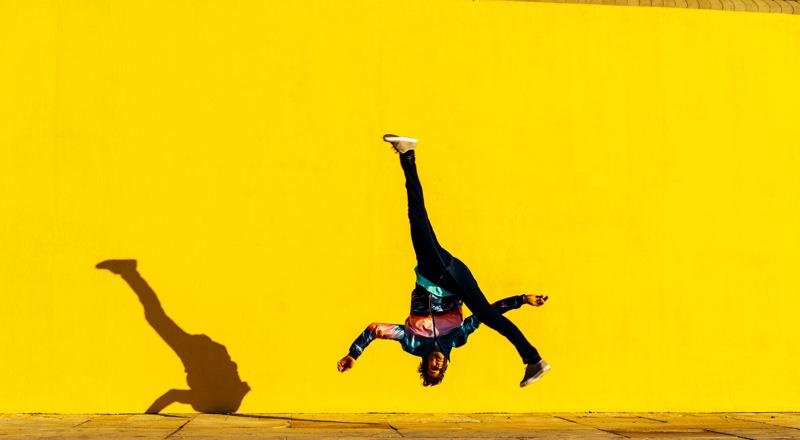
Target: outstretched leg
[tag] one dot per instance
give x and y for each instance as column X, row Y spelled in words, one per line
column 432, row 259
column 173, row 335
column 472, row 296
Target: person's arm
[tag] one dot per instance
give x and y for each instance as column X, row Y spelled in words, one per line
column 513, row 302
column 373, row 331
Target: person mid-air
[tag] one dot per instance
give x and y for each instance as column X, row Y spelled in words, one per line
column 436, row 323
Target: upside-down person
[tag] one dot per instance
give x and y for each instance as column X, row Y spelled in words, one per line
column 443, row 283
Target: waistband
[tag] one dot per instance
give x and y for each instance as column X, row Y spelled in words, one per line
column 430, row 286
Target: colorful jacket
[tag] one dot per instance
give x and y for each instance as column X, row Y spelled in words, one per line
column 435, row 317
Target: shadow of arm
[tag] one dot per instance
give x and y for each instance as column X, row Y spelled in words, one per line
column 168, row 398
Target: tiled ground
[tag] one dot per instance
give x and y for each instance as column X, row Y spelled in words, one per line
column 442, row 426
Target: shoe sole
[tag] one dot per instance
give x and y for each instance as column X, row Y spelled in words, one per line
column 536, row 377
column 389, row 138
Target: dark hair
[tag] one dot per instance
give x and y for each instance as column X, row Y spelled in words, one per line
column 427, row 379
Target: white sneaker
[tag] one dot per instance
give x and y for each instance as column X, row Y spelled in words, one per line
column 401, row 144
column 396, row 138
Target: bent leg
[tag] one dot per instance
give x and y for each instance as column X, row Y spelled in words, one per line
column 476, row 301
column 432, row 259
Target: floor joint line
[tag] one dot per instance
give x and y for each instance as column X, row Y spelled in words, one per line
column 85, row 421
column 650, row 418
column 766, row 423
column 593, row 427
column 179, row 428
column 727, row 433
column 396, row 430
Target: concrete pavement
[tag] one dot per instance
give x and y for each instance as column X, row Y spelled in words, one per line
column 430, row 426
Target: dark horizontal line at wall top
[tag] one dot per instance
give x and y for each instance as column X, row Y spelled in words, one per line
column 776, row 6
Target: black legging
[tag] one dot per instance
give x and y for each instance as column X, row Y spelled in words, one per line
column 448, row 272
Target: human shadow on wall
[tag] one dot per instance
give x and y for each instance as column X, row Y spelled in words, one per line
column 213, row 378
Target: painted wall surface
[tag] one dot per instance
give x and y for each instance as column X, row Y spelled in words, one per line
column 638, row 165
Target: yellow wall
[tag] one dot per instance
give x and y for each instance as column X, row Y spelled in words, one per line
column 639, row 165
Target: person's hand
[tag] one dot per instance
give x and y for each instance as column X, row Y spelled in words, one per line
column 346, row 363
column 535, row 300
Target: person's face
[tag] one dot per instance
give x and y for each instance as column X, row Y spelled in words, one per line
column 436, row 363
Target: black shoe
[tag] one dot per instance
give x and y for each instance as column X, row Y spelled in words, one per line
column 534, row 372
column 118, row 266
